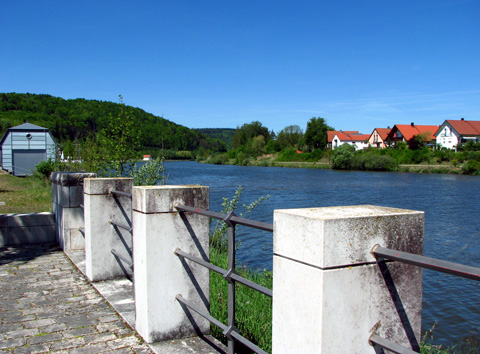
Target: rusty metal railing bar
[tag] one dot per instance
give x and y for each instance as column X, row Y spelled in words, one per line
column 124, row 194
column 224, row 272
column 230, row 275
column 128, row 228
column 438, row 265
column 206, row 264
column 393, row 347
column 234, row 219
column 118, row 255
column 232, row 333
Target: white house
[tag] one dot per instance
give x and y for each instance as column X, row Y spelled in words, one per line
column 453, row 133
column 24, row 146
column 354, row 138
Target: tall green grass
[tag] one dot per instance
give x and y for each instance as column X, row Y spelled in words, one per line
column 24, row 194
column 253, row 309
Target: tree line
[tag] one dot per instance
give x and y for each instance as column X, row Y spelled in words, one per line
column 252, row 140
column 253, row 143
column 72, row 122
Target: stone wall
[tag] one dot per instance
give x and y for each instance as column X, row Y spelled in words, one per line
column 18, row 229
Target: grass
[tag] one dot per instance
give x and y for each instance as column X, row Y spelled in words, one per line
column 253, row 309
column 24, row 194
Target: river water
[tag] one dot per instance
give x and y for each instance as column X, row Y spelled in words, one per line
column 452, row 222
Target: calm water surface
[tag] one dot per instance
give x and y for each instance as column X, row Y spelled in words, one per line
column 452, row 221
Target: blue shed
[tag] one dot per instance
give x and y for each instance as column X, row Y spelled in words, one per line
column 24, row 146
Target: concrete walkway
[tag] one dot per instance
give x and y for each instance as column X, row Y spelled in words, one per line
column 46, row 305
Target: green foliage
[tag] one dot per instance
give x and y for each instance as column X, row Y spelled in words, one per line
column 289, row 136
column 241, row 158
column 469, row 344
column 471, row 167
column 316, row 133
column 25, row 195
column 291, row 155
column 346, row 158
column 223, row 134
column 419, row 141
column 243, row 136
column 371, row 161
column 253, row 309
column 470, row 146
column 76, row 120
column 342, row 157
column 119, row 142
column 258, row 145
column 218, row 237
column 149, row 174
column 184, row 155
column 45, row 168
column 273, row 146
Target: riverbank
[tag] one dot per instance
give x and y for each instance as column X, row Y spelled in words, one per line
column 270, row 160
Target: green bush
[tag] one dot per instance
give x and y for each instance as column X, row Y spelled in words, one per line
column 149, row 174
column 342, row 157
column 241, row 159
column 372, row 161
column 45, row 168
column 184, row 155
column 220, row 159
column 472, row 155
column 471, row 167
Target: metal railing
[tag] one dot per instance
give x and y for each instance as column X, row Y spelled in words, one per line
column 456, row 269
column 120, row 258
column 230, row 275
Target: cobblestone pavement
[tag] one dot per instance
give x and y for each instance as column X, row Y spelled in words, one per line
column 46, row 305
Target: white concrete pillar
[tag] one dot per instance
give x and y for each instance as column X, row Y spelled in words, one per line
column 67, row 198
column 329, row 294
column 160, row 275
column 102, row 207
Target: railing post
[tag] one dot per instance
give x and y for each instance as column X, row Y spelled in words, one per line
column 67, row 199
column 330, row 296
column 160, row 275
column 101, row 236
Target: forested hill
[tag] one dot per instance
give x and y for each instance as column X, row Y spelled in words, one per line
column 224, row 134
column 76, row 119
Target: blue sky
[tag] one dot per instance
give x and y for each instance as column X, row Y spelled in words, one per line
column 203, row 64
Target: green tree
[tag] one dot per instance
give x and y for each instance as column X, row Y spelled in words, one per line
column 258, row 145
column 342, row 157
column 247, row 132
column 316, row 133
column 419, row 141
column 120, row 141
column 291, row 135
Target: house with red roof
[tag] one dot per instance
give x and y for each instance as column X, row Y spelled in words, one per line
column 406, row 133
column 354, row 138
column 453, row 133
column 378, row 137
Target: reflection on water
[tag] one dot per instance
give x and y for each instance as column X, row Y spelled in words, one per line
column 452, row 225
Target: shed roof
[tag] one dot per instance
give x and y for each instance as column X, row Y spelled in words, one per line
column 27, row 126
